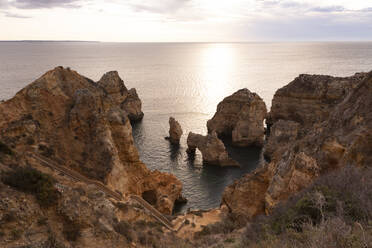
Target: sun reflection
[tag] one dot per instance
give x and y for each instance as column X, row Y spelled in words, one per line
column 217, row 65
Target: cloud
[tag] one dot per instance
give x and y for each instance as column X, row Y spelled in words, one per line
column 325, row 26
column 159, row 6
column 283, row 4
column 305, row 6
column 14, row 15
column 45, row 4
column 366, row 10
column 4, row 4
column 327, row 9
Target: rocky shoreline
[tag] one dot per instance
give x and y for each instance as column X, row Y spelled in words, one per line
column 317, row 124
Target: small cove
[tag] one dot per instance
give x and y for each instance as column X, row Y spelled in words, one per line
column 186, row 81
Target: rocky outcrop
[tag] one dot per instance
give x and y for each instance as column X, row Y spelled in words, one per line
column 175, row 131
column 246, row 196
column 318, row 124
column 310, row 98
column 128, row 100
column 282, row 134
column 212, row 149
column 82, row 216
column 85, row 126
column 240, row 116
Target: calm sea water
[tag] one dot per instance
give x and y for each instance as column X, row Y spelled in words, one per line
column 185, row 80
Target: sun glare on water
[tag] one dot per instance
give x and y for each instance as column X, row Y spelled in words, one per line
column 217, row 66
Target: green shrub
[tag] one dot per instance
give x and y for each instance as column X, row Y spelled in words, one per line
column 42, row 221
column 52, row 242
column 46, row 151
column 71, row 230
column 229, row 223
column 204, row 232
column 16, row 233
column 142, row 238
column 5, row 149
column 140, row 224
column 32, row 181
column 9, row 217
column 326, row 211
column 122, row 206
column 124, row 228
column 229, row 240
column 30, row 141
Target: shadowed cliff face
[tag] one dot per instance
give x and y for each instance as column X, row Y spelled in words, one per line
column 85, row 126
column 318, row 124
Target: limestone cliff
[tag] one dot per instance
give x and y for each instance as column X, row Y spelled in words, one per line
column 80, row 216
column 310, row 98
column 240, row 116
column 85, row 126
column 318, row 124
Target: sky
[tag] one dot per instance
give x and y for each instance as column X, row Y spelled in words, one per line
column 186, row 20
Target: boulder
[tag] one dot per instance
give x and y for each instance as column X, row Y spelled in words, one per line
column 240, row 116
column 212, row 149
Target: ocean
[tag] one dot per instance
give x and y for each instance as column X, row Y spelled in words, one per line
column 186, row 81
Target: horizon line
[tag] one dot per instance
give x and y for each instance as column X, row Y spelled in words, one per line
column 247, row 41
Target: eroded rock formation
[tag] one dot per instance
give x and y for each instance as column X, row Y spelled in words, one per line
column 310, row 98
column 129, row 101
column 212, row 149
column 240, row 116
column 82, row 216
column 85, row 126
column 175, row 131
column 318, row 124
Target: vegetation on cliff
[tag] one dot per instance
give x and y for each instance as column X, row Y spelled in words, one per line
column 4, row 149
column 335, row 211
column 316, row 189
column 32, row 181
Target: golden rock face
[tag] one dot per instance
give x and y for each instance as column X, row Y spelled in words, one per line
column 318, row 124
column 85, row 126
column 240, row 116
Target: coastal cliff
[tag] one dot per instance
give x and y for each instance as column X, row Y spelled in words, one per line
column 317, row 124
column 86, row 127
column 70, row 171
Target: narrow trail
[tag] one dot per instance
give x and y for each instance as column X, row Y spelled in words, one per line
column 117, row 196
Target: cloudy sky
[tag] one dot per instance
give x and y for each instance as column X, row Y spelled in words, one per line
column 186, row 20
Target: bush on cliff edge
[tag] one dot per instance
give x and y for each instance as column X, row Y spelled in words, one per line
column 32, row 181
column 336, row 211
column 4, row 149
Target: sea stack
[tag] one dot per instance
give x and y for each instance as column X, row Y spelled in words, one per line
column 175, row 131
column 212, row 149
column 240, row 116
